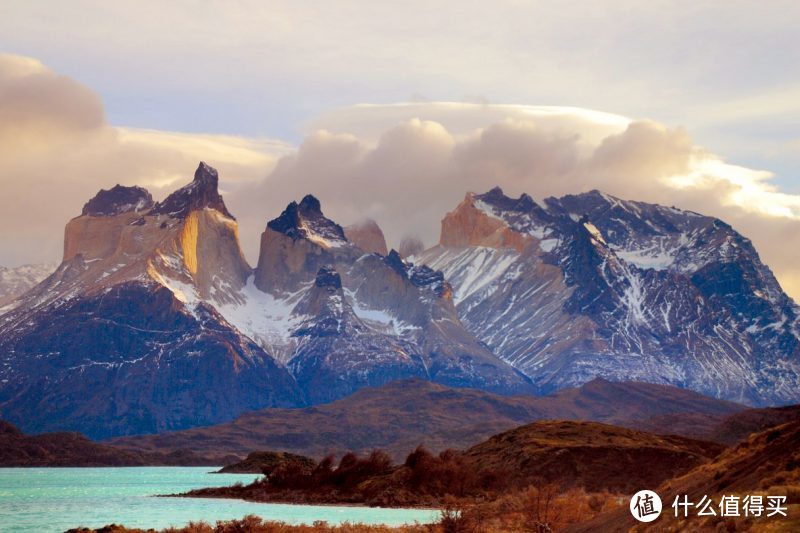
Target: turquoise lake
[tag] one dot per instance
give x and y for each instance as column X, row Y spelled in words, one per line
column 56, row 499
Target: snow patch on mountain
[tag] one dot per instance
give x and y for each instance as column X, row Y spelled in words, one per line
column 378, row 319
column 267, row 320
column 16, row 280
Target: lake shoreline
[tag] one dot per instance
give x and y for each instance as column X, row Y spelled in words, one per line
column 309, row 503
column 54, row 500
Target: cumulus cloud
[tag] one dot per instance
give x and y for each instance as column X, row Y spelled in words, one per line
column 57, row 151
column 417, row 168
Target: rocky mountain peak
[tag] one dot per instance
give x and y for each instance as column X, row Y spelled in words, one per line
column 310, row 206
column 306, row 221
column 394, row 260
column 367, row 235
column 489, row 220
column 117, row 200
column 498, row 201
column 495, row 192
column 201, row 193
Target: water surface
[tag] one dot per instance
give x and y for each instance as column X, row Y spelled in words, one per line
column 56, row 499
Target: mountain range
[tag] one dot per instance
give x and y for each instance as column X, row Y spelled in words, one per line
column 154, row 321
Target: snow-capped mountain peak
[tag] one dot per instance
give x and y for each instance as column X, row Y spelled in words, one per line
column 590, row 284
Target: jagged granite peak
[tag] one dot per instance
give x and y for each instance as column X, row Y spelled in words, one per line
column 131, row 311
column 497, row 197
column 296, row 244
column 337, row 352
column 306, row 221
column 367, row 235
column 476, row 221
column 325, row 308
column 591, row 285
column 525, row 205
column 201, row 193
column 189, row 238
column 390, row 319
column 119, row 199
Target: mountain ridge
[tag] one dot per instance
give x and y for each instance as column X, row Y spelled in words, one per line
column 590, row 285
column 519, row 297
column 400, row 415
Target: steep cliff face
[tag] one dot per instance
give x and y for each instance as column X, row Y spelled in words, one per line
column 123, row 337
column 296, row 245
column 597, row 286
column 368, row 236
column 184, row 238
column 468, row 225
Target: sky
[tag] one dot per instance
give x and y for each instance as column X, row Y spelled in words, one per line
column 394, row 111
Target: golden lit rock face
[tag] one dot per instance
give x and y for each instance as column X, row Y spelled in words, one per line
column 188, row 241
column 211, row 252
column 469, row 226
column 202, row 249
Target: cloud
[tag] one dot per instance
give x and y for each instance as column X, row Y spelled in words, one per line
column 57, row 151
column 405, row 165
column 418, row 167
column 36, row 104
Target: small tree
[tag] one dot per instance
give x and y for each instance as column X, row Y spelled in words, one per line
column 541, row 512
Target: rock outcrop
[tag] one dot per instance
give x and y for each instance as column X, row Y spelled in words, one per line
column 117, row 200
column 201, row 193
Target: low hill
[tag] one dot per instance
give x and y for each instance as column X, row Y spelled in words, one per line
column 583, row 455
column 264, row 462
column 736, row 427
column 403, row 414
column 73, row 449
column 589, row 455
column 766, row 463
column 726, row 429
